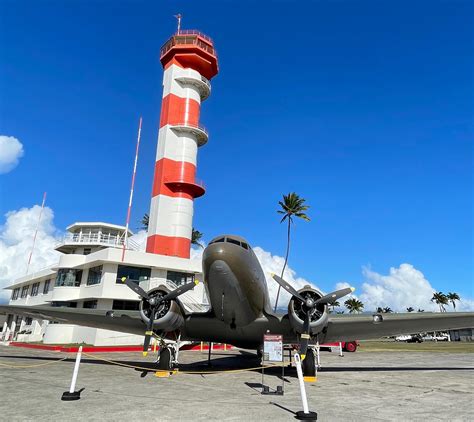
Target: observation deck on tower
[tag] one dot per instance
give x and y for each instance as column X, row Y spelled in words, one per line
column 191, row 49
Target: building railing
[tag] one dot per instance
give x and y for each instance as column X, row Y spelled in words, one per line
column 193, row 126
column 188, row 38
column 101, row 238
column 194, row 32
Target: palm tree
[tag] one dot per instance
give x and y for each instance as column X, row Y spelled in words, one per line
column 291, row 206
column 354, row 305
column 420, row 310
column 387, row 310
column 144, row 221
column 379, row 310
column 335, row 305
column 440, row 299
column 410, row 309
column 196, row 237
column 452, row 297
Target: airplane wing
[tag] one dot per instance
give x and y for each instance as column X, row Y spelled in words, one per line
column 125, row 321
column 362, row 327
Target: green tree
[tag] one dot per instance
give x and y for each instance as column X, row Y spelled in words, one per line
column 420, row 310
column 334, row 305
column 196, row 237
column 292, row 206
column 145, row 221
column 354, row 305
column 410, row 309
column 440, row 299
column 387, row 310
column 452, row 297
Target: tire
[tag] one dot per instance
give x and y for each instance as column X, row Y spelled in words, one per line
column 351, row 346
column 165, row 359
column 309, row 364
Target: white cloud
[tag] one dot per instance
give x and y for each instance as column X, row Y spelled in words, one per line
column 274, row 264
column 11, row 150
column 403, row 287
column 16, row 240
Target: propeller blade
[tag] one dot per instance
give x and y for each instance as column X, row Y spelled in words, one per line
column 332, row 297
column 288, row 287
column 179, row 291
column 136, row 288
column 304, row 338
column 149, row 330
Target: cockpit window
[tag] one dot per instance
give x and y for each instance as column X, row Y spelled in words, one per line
column 230, row 240
column 244, row 245
column 218, row 240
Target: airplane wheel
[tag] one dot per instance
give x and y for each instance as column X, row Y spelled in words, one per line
column 165, row 359
column 351, row 347
column 309, row 364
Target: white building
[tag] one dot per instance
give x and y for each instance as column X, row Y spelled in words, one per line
column 88, row 275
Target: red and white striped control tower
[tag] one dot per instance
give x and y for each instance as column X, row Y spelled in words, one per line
column 189, row 61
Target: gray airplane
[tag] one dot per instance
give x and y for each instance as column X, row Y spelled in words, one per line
column 241, row 312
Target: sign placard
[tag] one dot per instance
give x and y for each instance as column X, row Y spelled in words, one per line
column 273, row 348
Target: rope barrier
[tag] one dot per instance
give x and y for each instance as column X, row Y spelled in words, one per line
column 228, row 371
column 32, row 366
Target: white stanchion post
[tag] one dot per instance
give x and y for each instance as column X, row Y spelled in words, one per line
column 72, row 394
column 318, row 357
column 340, row 349
column 305, row 414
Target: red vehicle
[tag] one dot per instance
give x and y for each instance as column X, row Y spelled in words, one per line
column 348, row 346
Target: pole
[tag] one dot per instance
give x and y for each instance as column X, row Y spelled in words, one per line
column 318, row 357
column 125, row 240
column 36, row 232
column 340, row 350
column 72, row 394
column 305, row 414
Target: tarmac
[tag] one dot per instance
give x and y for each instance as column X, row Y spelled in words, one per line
column 376, row 386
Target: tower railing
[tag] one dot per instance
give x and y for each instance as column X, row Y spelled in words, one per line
column 188, row 39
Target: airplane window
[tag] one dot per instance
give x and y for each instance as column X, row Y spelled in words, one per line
column 245, row 246
column 218, row 240
column 235, row 242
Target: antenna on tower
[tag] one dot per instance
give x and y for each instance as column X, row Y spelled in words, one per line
column 178, row 16
column 36, row 232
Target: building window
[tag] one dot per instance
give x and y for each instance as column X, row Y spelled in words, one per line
column 90, row 304
column 28, row 321
column 125, row 305
column 64, row 304
column 15, row 293
column 68, row 278
column 18, row 319
column 179, row 278
column 135, row 274
column 24, row 291
column 94, row 276
column 35, row 289
column 87, row 251
column 46, row 287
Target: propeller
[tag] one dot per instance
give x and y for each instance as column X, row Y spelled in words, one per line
column 154, row 303
column 309, row 306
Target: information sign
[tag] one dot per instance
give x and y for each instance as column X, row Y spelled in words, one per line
column 273, row 348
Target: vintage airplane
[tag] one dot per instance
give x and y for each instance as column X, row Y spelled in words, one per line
column 241, row 312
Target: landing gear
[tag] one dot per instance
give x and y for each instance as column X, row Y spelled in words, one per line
column 309, row 364
column 165, row 361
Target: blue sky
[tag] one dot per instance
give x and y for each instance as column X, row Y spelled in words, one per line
column 362, row 107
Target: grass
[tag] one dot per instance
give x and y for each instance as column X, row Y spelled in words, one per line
column 426, row 346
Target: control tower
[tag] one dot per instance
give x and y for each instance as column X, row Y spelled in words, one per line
column 189, row 61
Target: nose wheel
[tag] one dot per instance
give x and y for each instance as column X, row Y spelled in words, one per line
column 166, row 358
column 309, row 363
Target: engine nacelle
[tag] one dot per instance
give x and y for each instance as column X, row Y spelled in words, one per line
column 297, row 312
column 168, row 315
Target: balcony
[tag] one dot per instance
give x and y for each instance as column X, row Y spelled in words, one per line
column 189, row 37
column 95, row 239
column 195, row 189
column 200, row 82
column 200, row 132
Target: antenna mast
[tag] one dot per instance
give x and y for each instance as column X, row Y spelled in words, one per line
column 125, row 240
column 178, row 16
column 36, row 232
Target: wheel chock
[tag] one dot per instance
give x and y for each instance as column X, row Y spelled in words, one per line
column 165, row 374
column 310, row 379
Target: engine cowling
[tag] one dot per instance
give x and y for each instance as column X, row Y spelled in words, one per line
column 168, row 315
column 297, row 312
